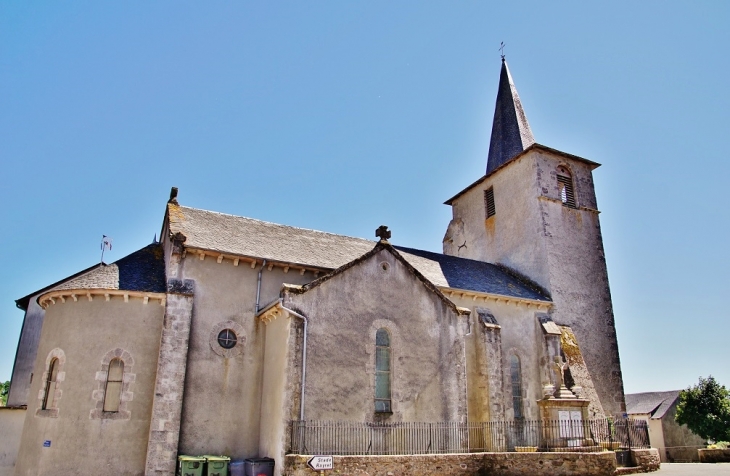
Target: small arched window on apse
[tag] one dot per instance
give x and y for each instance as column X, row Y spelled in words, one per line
column 113, row 388
column 50, row 389
column 382, row 372
column 565, row 187
column 516, row 380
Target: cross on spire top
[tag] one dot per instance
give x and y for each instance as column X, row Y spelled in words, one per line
column 501, row 49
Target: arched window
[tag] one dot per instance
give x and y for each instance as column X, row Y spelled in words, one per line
column 113, row 389
column 565, row 187
column 382, row 372
column 50, row 390
column 516, row 379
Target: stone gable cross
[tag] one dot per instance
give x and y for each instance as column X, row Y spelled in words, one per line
column 383, row 233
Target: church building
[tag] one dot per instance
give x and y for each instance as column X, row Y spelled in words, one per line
column 223, row 335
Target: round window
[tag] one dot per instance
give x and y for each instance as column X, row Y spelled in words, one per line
column 227, row 339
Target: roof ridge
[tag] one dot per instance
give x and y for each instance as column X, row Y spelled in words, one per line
column 406, row 249
column 279, row 224
column 251, row 237
column 654, row 393
column 384, row 245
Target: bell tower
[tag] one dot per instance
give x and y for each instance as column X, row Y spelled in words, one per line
column 535, row 212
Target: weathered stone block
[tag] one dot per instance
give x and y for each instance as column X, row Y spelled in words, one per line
column 714, row 456
column 492, row 464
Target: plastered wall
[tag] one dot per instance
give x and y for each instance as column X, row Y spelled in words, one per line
column 222, row 404
column 11, row 423
column 578, row 276
column 80, row 444
column 26, row 354
column 557, row 247
column 520, row 335
column 427, row 345
column 512, row 236
column 278, row 389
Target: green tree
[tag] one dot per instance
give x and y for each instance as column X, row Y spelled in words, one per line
column 705, row 409
column 4, row 389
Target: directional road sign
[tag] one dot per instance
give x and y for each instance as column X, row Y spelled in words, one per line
column 319, row 463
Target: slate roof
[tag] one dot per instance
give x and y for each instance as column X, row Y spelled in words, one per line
column 23, row 302
column 143, row 270
column 243, row 236
column 511, row 134
column 654, row 403
column 382, row 245
column 461, row 273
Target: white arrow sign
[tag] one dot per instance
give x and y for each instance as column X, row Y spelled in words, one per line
column 319, row 463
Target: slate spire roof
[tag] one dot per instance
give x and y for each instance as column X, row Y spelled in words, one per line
column 511, row 134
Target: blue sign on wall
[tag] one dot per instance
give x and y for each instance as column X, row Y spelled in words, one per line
column 47, row 444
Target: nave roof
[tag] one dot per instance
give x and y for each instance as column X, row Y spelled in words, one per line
column 249, row 237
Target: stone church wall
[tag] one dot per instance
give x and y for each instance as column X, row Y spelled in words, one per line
column 559, row 248
column 427, row 345
column 510, row 236
column 25, row 357
column 578, row 276
column 75, row 429
column 222, row 404
column 519, row 334
column 11, row 422
column 280, row 389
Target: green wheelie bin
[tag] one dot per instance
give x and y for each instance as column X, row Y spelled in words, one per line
column 191, row 465
column 217, row 465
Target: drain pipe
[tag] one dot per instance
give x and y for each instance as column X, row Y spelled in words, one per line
column 258, row 286
column 304, row 356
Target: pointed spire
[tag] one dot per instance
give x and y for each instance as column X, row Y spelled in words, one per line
column 511, row 133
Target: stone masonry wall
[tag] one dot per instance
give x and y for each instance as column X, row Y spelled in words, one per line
column 714, row 456
column 493, row 350
column 646, row 459
column 471, row 464
column 169, row 385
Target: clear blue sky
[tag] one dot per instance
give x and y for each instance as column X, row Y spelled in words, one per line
column 342, row 116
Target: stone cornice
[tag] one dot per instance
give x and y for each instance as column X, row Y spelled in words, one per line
column 272, row 312
column 75, row 294
column 488, row 297
column 584, row 209
column 252, row 261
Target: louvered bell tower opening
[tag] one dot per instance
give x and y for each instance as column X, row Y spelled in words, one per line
column 565, row 186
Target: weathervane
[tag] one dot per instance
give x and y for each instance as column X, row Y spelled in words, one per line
column 501, row 49
column 106, row 242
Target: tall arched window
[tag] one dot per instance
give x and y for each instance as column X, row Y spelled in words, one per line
column 565, row 187
column 113, row 389
column 516, row 379
column 50, row 388
column 382, row 372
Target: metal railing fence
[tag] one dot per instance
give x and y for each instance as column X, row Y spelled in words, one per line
column 379, row 438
